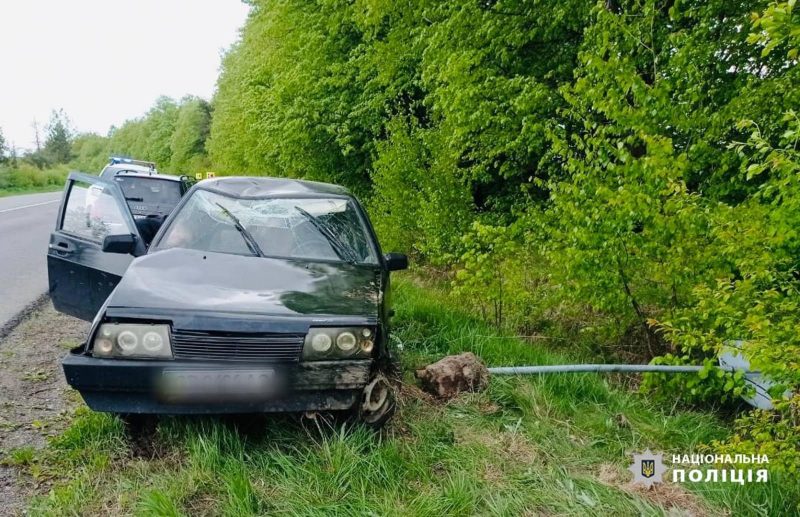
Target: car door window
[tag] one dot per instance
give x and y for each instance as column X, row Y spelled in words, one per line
column 92, row 212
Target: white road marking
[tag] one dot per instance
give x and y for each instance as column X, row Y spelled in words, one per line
column 29, row 206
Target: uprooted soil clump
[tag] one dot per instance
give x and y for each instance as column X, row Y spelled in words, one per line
column 454, row 374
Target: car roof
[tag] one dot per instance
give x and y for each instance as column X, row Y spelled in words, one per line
column 262, row 186
column 130, row 167
column 152, row 175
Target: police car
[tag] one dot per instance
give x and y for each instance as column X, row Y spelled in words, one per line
column 150, row 196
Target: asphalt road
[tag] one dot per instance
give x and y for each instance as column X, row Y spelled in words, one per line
column 25, row 226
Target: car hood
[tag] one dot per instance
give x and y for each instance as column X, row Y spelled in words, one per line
column 190, row 280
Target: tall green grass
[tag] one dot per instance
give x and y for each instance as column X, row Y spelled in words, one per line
column 536, row 445
column 26, row 179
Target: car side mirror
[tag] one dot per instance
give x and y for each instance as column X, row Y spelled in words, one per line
column 125, row 243
column 396, row 261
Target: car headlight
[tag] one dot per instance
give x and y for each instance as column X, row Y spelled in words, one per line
column 338, row 343
column 132, row 340
column 321, row 343
column 346, row 341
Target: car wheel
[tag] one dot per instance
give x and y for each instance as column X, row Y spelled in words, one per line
column 378, row 403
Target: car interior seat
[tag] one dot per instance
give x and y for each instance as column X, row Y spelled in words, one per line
column 148, row 226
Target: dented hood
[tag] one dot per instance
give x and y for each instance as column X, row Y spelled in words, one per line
column 181, row 279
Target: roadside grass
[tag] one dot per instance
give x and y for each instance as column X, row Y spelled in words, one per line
column 30, row 190
column 29, row 180
column 556, row 444
column 37, row 375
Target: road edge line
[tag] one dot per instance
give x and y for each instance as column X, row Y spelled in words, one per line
column 28, row 206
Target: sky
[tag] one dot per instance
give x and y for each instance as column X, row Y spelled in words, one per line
column 106, row 61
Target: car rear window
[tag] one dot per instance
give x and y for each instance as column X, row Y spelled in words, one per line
column 149, row 191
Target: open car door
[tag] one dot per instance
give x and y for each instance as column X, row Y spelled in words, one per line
column 81, row 274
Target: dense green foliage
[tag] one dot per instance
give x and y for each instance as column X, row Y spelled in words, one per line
column 551, row 445
column 627, row 168
column 172, row 134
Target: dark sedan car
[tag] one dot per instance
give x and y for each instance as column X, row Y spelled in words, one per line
column 256, row 295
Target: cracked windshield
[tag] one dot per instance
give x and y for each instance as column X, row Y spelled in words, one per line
column 309, row 228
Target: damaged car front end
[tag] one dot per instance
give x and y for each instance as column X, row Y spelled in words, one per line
column 257, row 295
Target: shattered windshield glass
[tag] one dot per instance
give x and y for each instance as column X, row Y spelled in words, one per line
column 304, row 228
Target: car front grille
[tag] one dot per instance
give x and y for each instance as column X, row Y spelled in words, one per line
column 237, row 346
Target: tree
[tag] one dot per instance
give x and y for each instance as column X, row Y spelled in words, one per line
column 90, row 152
column 36, row 135
column 188, row 140
column 172, row 134
column 3, row 147
column 58, row 143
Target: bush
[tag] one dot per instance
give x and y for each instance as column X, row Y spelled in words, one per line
column 495, row 277
column 28, row 177
column 775, row 434
column 759, row 302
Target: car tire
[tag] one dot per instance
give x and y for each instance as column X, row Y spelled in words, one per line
column 378, row 403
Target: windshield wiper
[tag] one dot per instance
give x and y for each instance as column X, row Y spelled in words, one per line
column 248, row 238
column 344, row 252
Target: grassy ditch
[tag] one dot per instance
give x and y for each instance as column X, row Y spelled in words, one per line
column 552, row 445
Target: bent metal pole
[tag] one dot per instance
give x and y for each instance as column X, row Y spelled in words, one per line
column 579, row 368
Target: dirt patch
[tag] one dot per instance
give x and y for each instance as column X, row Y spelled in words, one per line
column 35, row 401
column 675, row 499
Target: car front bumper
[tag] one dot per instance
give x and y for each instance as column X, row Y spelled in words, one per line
column 137, row 386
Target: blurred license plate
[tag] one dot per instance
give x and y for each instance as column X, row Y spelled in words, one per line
column 210, row 385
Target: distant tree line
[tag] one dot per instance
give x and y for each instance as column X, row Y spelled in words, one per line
column 56, row 149
column 172, row 134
